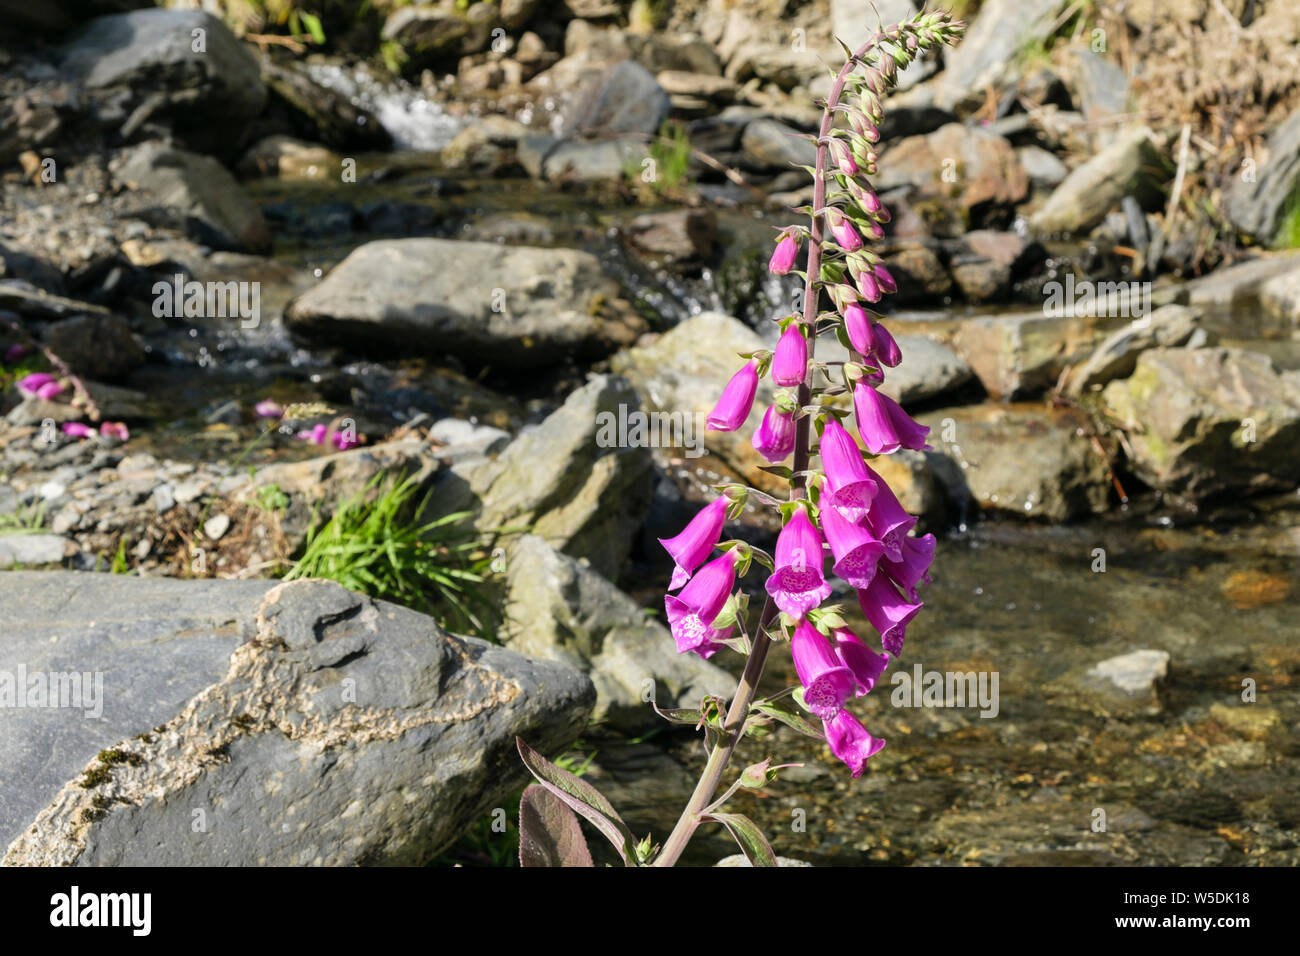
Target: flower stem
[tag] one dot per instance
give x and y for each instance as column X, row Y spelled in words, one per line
column 738, row 711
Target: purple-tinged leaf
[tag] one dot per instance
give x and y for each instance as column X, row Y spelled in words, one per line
column 549, row 832
column 750, row 838
column 582, row 798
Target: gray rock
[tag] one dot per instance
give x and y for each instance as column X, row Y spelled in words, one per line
column 854, row 22
column 430, row 32
column 988, row 52
column 1256, row 208
column 461, row 439
column 1129, row 166
column 146, row 60
column 1100, row 90
column 625, row 98
column 1236, row 290
column 1127, row 685
column 928, row 369
column 28, row 550
column 605, row 161
column 1117, row 355
column 1207, row 422
column 309, row 725
column 683, row 372
column 558, row 609
column 1280, row 297
column 988, row 174
column 1044, row 169
column 1018, row 460
column 1024, row 353
column 677, row 236
column 769, row 145
column 558, row 478
column 441, row 295
column 96, row 346
column 199, row 194
column 287, row 158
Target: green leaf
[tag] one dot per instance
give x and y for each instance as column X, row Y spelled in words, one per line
column 782, row 712
column 750, row 838
column 582, row 798
column 312, row 23
column 549, row 832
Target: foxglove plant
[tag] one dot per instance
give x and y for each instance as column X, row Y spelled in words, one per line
column 838, row 504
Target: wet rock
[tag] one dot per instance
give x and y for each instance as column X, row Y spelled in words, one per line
column 1256, row 208
column 511, row 229
column 1212, row 421
column 1121, row 686
column 1129, row 166
column 196, row 193
column 516, row 307
column 20, row 296
column 769, row 145
column 1025, row 353
column 392, row 217
column 558, row 609
column 531, row 152
column 288, row 158
column 318, row 113
column 31, row 550
column 310, row 724
column 1116, row 357
column 143, row 67
column 97, row 346
column 677, row 236
column 972, row 171
column 484, row 147
column 928, row 369
column 625, row 98
column 989, row 51
column 1021, row 460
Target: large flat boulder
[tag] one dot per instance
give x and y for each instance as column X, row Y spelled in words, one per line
column 517, row 306
column 247, row 723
